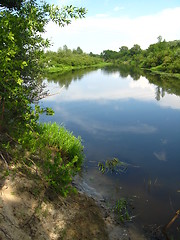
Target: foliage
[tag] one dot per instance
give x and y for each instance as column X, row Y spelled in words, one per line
column 113, row 165
column 21, row 48
column 53, row 151
column 162, row 56
column 66, row 59
column 16, row 4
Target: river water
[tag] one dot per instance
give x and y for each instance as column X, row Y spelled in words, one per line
column 134, row 117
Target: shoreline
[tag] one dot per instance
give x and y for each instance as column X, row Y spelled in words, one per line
column 116, row 231
column 29, row 211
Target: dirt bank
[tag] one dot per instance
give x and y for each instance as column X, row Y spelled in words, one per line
column 29, row 211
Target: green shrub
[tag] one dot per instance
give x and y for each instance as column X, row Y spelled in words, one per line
column 55, row 152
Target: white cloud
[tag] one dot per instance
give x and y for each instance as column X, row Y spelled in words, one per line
column 95, row 127
column 142, row 83
column 170, row 100
column 100, row 33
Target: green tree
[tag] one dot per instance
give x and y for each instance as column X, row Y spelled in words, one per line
column 21, row 47
column 136, row 49
column 159, row 38
column 79, row 50
column 109, row 55
column 57, row 153
column 123, row 53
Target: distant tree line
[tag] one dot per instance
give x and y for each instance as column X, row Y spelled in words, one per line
column 66, row 58
column 162, row 56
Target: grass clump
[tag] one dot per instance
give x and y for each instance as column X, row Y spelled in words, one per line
column 51, row 154
column 121, row 210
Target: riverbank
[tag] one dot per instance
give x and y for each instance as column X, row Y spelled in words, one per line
column 61, row 69
column 166, row 74
column 30, row 213
column 28, row 210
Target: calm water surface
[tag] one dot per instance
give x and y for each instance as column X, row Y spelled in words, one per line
column 136, row 121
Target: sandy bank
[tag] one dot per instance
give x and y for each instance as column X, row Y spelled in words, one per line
column 29, row 211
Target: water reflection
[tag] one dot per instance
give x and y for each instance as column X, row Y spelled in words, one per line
column 118, row 116
column 65, row 79
column 160, row 156
column 161, row 83
column 94, row 87
column 124, row 71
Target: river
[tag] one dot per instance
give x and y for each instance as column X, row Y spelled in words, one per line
column 134, row 117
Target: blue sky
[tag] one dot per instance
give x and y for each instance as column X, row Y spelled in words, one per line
column 110, row 24
column 131, row 8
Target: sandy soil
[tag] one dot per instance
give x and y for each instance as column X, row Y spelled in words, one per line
column 28, row 211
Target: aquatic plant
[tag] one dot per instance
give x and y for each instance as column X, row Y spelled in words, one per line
column 121, row 210
column 112, row 165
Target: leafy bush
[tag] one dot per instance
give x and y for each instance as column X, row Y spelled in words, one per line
column 69, row 59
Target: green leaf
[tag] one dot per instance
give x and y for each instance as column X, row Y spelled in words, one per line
column 24, row 64
column 19, row 81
